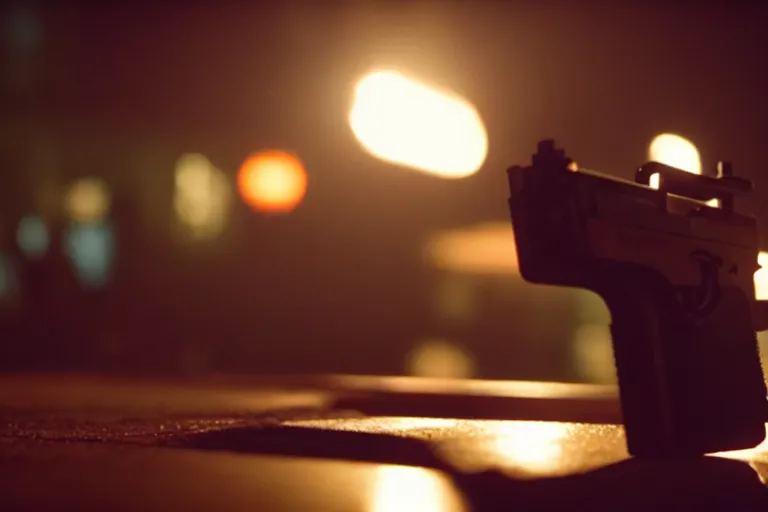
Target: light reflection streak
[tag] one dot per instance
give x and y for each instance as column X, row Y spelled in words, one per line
column 758, row 452
column 404, row 489
column 531, row 445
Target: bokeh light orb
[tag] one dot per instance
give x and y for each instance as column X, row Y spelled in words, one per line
column 402, row 121
column 440, row 358
column 272, row 181
column 87, row 200
column 202, row 197
column 32, row 236
column 678, row 152
column 674, row 151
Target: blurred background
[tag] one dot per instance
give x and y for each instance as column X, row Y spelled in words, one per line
column 320, row 186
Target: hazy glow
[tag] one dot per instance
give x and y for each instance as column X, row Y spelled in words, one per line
column 90, row 249
column 406, row 489
column 32, row 236
column 440, row 359
column 531, row 445
column 87, row 200
column 404, row 122
column 487, row 248
column 272, row 181
column 202, row 197
column 455, row 298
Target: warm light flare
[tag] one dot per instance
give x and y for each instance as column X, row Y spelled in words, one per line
column 272, row 182
column 404, row 122
column 487, row 248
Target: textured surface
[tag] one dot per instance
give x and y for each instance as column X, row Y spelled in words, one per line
column 287, row 445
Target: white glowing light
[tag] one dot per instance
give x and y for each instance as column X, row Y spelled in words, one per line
column 404, row 122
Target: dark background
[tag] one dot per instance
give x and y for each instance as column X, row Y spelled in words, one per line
column 340, row 284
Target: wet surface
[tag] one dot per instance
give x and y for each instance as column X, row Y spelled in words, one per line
column 63, row 436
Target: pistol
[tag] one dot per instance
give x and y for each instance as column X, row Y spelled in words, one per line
column 677, row 276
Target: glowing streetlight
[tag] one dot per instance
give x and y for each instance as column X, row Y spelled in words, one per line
column 407, row 123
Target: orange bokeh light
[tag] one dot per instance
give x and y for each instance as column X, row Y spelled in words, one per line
column 272, row 181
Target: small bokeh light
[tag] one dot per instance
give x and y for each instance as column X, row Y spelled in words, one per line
column 440, row 359
column 32, row 236
column 89, row 246
column 87, row 200
column 7, row 276
column 404, row 122
column 486, row 248
column 272, row 181
column 202, row 197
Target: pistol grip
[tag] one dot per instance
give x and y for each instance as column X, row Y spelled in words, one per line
column 687, row 386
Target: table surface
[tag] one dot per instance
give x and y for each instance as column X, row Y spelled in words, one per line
column 339, row 443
